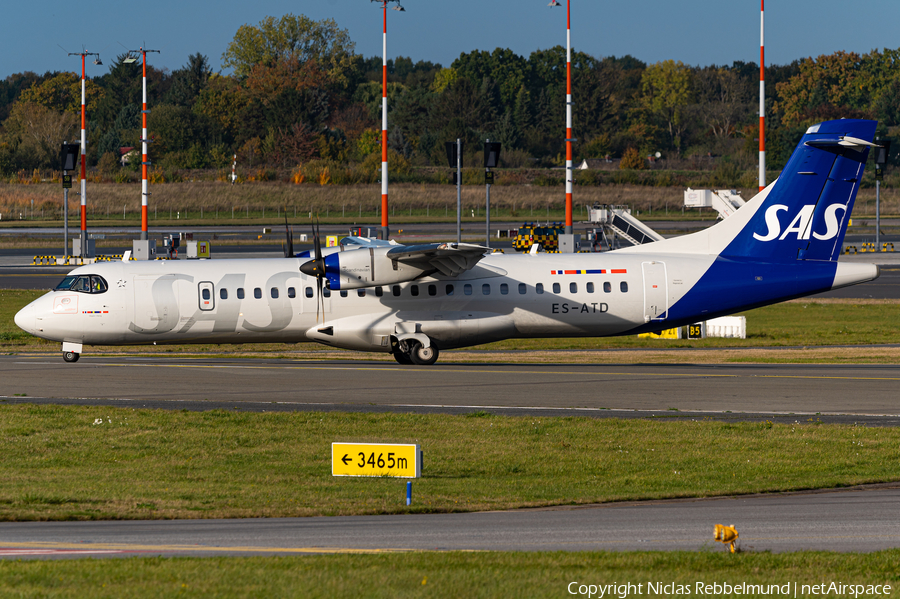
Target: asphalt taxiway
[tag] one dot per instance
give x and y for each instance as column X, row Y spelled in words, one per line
column 858, row 519
column 834, row 393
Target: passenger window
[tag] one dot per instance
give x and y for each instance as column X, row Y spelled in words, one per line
column 467, row 289
column 343, row 293
column 555, row 287
column 98, row 285
column 205, row 293
column 396, row 290
column 523, row 288
column 623, row 286
column 486, row 289
column 573, row 287
column 292, row 293
column 539, row 288
column 257, row 293
column 414, row 290
column 449, row 289
column 607, row 288
column 240, row 293
column 432, row 290
column 379, row 292
column 504, row 289
column 361, row 292
column 590, row 288
column 309, row 292
column 223, row 293
column 274, row 292
column 326, row 292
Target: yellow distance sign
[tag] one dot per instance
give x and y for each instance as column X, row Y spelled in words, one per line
column 376, row 459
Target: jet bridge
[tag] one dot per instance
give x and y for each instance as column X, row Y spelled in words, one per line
column 724, row 201
column 616, row 222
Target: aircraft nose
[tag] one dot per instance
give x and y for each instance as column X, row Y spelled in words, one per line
column 25, row 318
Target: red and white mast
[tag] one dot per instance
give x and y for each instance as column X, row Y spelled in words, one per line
column 570, row 176
column 762, row 97
column 145, row 161
column 83, row 165
column 385, row 231
column 83, row 241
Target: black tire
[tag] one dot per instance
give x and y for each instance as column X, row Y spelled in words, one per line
column 70, row 356
column 423, row 356
column 402, row 358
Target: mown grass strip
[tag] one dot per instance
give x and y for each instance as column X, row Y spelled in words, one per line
column 63, row 463
column 426, row 575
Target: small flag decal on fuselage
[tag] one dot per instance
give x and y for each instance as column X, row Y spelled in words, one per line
column 598, row 271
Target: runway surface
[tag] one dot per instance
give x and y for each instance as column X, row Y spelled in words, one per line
column 833, row 393
column 861, row 519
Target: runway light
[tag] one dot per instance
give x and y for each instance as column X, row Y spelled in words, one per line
column 727, row 535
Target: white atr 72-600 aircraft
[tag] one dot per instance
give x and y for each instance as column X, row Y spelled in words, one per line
column 412, row 301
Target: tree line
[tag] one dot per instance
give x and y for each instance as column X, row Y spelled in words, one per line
column 298, row 92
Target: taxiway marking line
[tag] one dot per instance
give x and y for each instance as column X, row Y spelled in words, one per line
column 88, row 548
column 533, row 372
column 441, row 371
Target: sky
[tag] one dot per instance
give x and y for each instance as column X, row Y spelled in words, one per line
column 36, row 37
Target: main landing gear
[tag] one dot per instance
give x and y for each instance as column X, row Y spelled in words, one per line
column 70, row 356
column 411, row 351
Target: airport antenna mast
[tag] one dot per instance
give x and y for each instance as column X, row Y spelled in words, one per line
column 762, row 97
column 83, row 242
column 570, row 173
column 385, row 229
column 145, row 162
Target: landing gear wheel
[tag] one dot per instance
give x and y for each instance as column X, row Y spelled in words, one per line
column 402, row 358
column 70, row 356
column 423, row 356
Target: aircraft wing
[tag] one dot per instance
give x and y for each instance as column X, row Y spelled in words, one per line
column 450, row 259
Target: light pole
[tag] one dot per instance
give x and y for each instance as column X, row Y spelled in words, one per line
column 97, row 61
column 569, row 139
column 145, row 162
column 762, row 97
column 385, row 230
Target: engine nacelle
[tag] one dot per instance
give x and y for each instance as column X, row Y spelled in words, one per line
column 368, row 267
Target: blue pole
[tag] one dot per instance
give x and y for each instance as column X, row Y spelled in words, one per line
column 409, row 492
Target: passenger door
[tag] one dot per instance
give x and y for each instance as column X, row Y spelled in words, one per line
column 207, row 295
column 656, row 305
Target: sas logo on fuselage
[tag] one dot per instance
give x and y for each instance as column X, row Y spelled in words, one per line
column 800, row 225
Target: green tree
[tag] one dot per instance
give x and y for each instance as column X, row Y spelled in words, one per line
column 666, row 88
column 189, row 81
column 505, row 67
column 63, row 93
column 291, row 37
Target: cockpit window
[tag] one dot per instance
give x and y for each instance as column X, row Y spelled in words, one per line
column 83, row 284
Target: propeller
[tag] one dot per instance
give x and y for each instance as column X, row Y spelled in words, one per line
column 316, row 268
column 289, row 238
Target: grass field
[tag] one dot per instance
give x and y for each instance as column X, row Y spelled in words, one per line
column 426, row 575
column 70, row 462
